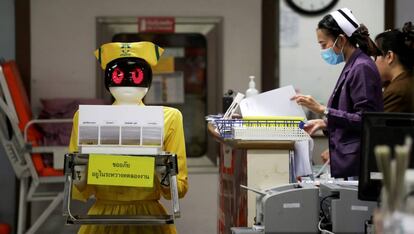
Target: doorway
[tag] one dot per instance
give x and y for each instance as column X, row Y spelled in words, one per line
column 195, row 85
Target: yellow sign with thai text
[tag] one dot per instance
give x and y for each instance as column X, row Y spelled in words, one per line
column 117, row 170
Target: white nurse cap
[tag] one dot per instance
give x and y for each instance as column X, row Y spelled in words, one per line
column 346, row 20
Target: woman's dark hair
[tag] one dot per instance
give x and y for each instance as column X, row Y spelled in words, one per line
column 360, row 38
column 399, row 42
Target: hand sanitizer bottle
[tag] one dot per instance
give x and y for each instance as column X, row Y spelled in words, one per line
column 251, row 91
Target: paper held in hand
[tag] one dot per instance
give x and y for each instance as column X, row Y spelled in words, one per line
column 272, row 103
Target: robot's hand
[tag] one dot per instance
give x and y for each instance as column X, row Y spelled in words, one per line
column 80, row 174
column 163, row 176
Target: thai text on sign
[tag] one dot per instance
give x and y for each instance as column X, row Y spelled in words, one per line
column 117, row 170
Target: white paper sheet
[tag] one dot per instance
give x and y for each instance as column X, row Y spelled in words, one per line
column 289, row 28
column 303, row 152
column 120, row 125
column 272, row 103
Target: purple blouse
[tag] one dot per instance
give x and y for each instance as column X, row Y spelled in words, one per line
column 358, row 89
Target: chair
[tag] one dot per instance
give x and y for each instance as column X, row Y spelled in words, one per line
column 4, row 228
column 20, row 139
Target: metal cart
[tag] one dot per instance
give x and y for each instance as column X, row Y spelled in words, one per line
column 164, row 162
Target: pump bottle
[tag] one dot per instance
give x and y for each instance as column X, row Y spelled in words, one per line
column 251, row 91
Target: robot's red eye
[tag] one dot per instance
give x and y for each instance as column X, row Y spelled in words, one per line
column 137, row 75
column 117, row 75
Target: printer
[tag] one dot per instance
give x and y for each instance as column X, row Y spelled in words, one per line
column 342, row 209
column 285, row 209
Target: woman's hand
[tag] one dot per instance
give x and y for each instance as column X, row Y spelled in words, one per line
column 314, row 125
column 309, row 102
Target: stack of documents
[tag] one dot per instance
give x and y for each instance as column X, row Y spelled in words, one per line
column 277, row 105
column 120, row 129
column 277, row 117
column 272, row 103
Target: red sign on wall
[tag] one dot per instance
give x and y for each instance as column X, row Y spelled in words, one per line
column 156, row 24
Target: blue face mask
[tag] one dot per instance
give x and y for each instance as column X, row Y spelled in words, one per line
column 331, row 57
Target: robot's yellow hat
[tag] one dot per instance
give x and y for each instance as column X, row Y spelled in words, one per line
column 144, row 50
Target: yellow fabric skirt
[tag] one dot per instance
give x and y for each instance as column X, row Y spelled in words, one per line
column 152, row 207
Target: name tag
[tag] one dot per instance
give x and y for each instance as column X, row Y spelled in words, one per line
column 117, row 170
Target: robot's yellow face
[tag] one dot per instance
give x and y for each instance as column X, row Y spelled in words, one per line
column 133, row 72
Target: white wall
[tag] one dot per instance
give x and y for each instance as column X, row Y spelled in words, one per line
column 403, row 12
column 302, row 65
column 63, row 39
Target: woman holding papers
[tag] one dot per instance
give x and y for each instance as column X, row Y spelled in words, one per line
column 358, row 89
column 128, row 76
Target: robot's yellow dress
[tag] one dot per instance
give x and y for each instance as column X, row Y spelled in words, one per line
column 119, row 200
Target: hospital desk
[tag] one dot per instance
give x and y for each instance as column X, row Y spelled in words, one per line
column 257, row 164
